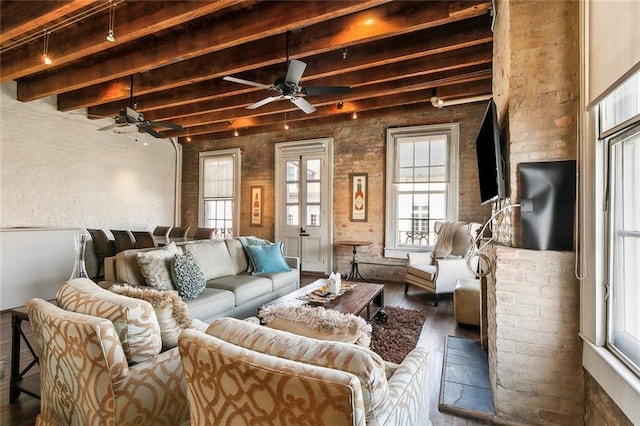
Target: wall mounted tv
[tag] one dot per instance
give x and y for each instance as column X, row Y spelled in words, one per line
column 491, row 163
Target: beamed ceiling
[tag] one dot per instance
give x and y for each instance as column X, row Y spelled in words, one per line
column 176, row 53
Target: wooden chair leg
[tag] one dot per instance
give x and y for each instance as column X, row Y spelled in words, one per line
column 406, row 287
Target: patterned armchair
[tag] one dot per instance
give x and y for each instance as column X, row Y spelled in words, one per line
column 244, row 373
column 89, row 377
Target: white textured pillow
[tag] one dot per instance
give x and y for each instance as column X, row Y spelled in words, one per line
column 154, row 266
column 173, row 314
column 317, row 322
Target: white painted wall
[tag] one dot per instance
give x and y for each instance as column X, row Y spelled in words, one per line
column 57, row 170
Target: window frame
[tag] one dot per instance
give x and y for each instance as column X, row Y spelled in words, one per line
column 235, row 153
column 452, row 133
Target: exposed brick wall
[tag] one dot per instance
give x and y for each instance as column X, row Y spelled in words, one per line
column 533, row 296
column 359, row 146
column 600, row 408
column 535, row 353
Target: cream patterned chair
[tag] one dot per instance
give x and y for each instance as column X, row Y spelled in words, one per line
column 100, row 361
column 242, row 373
column 437, row 271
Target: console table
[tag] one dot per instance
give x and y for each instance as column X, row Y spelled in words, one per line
column 354, row 263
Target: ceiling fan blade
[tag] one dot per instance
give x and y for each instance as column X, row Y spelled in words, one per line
column 151, row 131
column 264, row 102
column 303, row 105
column 295, row 70
column 110, row 126
column 333, row 90
column 165, row 124
column 247, row 82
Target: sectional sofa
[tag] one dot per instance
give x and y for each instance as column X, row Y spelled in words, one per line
column 231, row 288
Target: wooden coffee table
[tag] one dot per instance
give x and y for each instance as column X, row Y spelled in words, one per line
column 364, row 299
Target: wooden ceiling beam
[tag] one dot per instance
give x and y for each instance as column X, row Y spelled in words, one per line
column 361, row 93
column 389, row 74
column 267, row 18
column 314, row 40
column 199, row 72
column 20, row 17
column 80, row 41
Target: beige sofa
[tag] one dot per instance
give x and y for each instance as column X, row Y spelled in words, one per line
column 230, row 289
column 244, row 373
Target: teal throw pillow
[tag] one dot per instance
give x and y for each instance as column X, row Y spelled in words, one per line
column 187, row 276
column 268, row 259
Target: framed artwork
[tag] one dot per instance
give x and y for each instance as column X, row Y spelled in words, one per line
column 257, row 201
column 359, row 191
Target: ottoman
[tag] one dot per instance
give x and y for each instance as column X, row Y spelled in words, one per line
column 466, row 302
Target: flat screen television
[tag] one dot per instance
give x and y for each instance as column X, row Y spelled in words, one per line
column 491, row 163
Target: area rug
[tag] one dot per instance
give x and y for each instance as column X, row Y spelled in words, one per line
column 394, row 339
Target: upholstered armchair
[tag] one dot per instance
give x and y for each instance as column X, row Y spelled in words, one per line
column 240, row 372
column 438, row 271
column 89, row 377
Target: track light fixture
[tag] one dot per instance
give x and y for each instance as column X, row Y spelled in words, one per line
column 235, row 133
column 435, row 100
column 340, row 105
column 45, row 48
column 112, row 18
column 354, row 115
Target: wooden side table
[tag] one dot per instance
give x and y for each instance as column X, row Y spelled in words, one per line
column 354, row 263
column 18, row 383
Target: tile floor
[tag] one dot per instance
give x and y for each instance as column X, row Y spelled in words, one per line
column 465, row 386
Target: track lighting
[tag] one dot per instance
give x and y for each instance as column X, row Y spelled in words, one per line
column 235, row 133
column 354, row 115
column 112, row 17
column 45, row 49
column 437, row 102
column 340, row 105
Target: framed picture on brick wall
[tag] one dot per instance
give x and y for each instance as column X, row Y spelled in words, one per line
column 256, row 205
column 358, row 195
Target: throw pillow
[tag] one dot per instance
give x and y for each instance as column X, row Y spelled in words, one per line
column 134, row 320
column 268, row 259
column 187, row 276
column 252, row 241
column 173, row 315
column 154, row 266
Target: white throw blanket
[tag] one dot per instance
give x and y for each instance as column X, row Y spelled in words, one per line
column 444, row 242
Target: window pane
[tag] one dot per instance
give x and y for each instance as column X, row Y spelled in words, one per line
column 293, row 214
column 313, row 192
column 439, row 152
column 218, row 177
column 292, row 169
column 313, row 169
column 292, row 193
column 313, row 215
column 624, row 316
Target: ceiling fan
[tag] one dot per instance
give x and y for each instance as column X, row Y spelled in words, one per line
column 129, row 117
column 289, row 87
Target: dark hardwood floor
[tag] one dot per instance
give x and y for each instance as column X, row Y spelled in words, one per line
column 439, row 324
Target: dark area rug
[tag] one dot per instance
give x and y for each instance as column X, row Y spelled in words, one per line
column 394, row 339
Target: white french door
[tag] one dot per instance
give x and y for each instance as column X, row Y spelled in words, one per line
column 303, row 202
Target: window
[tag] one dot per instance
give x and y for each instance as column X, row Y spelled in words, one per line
column 422, row 185
column 220, row 192
column 619, row 115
